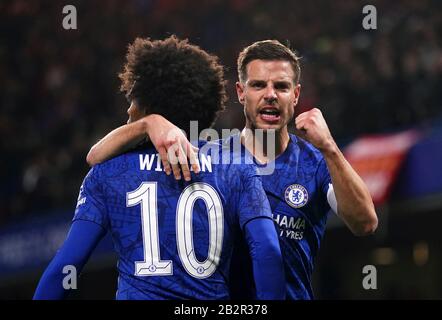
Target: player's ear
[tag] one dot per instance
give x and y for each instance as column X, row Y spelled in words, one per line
column 144, row 110
column 240, row 92
column 297, row 91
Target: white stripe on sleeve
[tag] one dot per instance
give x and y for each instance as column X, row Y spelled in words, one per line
column 331, row 198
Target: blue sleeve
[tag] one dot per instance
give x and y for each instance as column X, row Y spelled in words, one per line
column 323, row 176
column 253, row 202
column 323, row 180
column 82, row 239
column 91, row 204
column 268, row 268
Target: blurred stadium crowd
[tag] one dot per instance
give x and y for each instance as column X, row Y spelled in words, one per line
column 60, row 87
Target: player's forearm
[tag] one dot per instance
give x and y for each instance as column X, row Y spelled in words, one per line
column 355, row 205
column 117, row 142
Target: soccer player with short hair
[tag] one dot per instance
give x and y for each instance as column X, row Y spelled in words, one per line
column 311, row 176
column 174, row 239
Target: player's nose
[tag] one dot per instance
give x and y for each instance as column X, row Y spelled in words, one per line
column 270, row 93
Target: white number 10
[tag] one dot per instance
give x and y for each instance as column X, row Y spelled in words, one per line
column 146, row 196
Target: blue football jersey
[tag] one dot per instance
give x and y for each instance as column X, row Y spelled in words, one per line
column 174, row 238
column 297, row 192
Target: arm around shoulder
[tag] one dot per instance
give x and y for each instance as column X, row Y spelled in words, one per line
column 118, row 141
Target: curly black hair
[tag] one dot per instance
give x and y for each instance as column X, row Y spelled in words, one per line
column 175, row 79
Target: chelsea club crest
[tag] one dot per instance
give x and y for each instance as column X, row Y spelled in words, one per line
column 296, row 196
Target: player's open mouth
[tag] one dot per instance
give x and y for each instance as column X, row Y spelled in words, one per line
column 270, row 114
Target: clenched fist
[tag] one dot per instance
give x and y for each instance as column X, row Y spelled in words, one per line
column 311, row 126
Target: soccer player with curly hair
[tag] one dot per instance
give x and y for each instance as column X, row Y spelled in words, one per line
column 174, row 239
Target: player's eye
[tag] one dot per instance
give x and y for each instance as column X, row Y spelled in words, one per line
column 257, row 84
column 282, row 86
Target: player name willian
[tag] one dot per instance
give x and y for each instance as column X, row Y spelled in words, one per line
column 153, row 162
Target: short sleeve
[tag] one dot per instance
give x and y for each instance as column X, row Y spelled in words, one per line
column 253, row 202
column 91, row 203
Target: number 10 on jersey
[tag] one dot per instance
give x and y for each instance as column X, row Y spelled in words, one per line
column 146, row 197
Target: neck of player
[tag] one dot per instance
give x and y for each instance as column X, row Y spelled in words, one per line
column 265, row 145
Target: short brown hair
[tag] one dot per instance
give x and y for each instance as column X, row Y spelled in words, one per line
column 175, row 79
column 267, row 50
